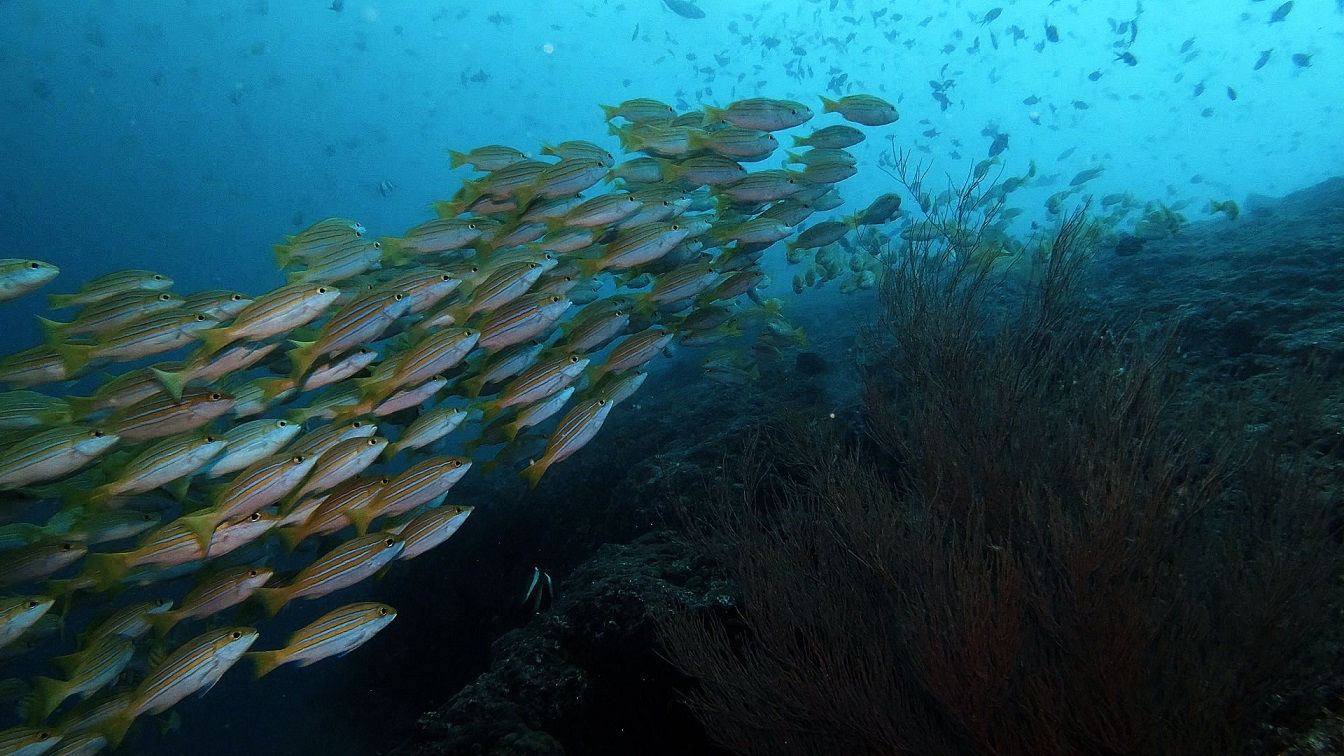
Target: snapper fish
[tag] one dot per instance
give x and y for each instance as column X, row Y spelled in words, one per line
column 868, row 110
column 335, row 633
column 18, row 277
column 761, row 113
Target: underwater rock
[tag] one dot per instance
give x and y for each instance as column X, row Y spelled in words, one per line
column 1128, row 245
column 811, row 363
column 585, row 678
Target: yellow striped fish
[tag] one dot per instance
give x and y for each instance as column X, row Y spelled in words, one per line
column 576, row 429
column 273, row 313
column 335, row 633
column 51, row 454
column 194, row 667
column 18, row 277
column 111, row 285
column 339, row 568
column 87, row 672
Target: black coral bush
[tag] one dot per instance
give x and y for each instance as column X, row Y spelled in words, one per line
column 1042, row 539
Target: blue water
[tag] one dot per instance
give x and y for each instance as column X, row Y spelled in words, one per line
column 188, row 136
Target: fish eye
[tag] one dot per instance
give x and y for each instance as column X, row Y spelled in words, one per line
column 200, row 318
column 390, row 542
column 281, row 423
column 98, row 434
column 67, row 546
column 384, row 480
column 573, row 358
column 372, row 441
column 235, row 635
column 44, row 735
column 236, row 298
column 357, row 424
column 298, row 459
column 34, row 265
column 158, row 277
column 377, row 245
column 216, row 396
column 398, row 297
column 252, row 573
column 471, row 226
column 32, row 604
column 445, row 277
column 255, row 516
column 321, row 290
column 208, row 439
column 382, row 611
column 165, row 297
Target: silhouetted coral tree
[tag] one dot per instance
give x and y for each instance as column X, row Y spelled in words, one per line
column 1044, row 540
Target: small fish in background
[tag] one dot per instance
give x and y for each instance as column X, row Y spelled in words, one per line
column 386, row 188
column 991, row 15
column 1303, row 60
column 1226, row 207
column 1281, row 12
column 1264, row 58
column 684, row 8
column 338, row 5
column 540, row 592
column 1231, row 93
column 1127, row 58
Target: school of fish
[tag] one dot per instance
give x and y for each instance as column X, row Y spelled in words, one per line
column 294, row 444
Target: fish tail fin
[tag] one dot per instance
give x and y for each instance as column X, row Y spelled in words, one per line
column 105, row 570
column 630, row 142
column 394, row 253
column 361, row 518
column 114, row 727
column 713, row 115
column 284, row 255
column 590, row 266
column 457, row 159
column 800, row 141
column 202, row 526
column 609, row 112
column 215, row 339
column 533, row 472
column 670, row 170
column 474, row 386
column 274, row 387
column 47, row 694
column 163, row 622
column 171, row 381
column 76, row 357
column 80, row 406
column 447, row 208
column 264, row 662
column 61, row 301
column 271, row 599
column 53, row 332
column 828, row 105
column 301, row 358
column 510, row 430
column 291, row 537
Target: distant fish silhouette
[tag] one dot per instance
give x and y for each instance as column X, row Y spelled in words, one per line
column 684, row 8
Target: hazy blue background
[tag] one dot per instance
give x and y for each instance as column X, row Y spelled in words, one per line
column 187, row 136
